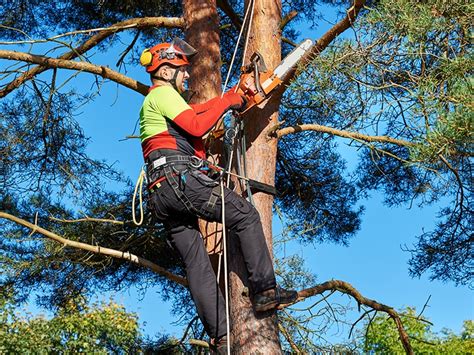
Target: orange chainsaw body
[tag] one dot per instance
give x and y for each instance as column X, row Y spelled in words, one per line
column 248, row 87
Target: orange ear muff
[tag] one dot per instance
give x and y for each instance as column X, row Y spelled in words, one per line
column 146, row 57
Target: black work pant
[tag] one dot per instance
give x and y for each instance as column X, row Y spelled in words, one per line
column 241, row 219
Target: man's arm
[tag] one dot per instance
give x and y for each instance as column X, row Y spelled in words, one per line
column 175, row 108
column 205, row 106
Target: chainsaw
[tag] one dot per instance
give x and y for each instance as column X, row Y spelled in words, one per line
column 257, row 82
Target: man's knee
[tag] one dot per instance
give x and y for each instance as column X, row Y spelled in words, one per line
column 241, row 212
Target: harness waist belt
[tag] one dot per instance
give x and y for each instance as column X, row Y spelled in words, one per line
column 178, row 162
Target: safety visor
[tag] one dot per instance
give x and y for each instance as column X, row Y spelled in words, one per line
column 179, row 47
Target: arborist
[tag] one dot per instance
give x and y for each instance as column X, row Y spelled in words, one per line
column 171, row 132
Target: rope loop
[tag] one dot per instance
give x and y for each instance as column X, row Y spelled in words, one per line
column 139, row 190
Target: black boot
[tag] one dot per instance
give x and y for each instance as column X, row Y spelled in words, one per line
column 273, row 298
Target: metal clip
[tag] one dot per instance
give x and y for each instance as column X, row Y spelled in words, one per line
column 195, row 162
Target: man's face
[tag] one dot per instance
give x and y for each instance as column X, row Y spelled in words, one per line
column 181, row 79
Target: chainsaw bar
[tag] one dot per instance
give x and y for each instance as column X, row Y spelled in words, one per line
column 257, row 84
column 291, row 60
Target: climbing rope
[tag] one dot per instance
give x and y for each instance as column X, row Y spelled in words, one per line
column 138, row 190
column 224, row 234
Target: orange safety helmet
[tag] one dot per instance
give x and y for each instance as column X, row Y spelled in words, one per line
column 176, row 53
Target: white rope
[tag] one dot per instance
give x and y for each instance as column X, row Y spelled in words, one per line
column 248, row 33
column 138, row 186
column 226, row 280
column 224, row 234
column 237, row 44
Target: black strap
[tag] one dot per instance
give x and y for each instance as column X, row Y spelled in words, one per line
column 209, row 207
column 156, row 165
column 171, row 177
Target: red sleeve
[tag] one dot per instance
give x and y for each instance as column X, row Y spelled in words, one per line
column 198, row 124
column 198, row 108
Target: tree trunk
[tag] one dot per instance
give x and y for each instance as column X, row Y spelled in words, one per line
column 202, row 32
column 252, row 334
column 249, row 334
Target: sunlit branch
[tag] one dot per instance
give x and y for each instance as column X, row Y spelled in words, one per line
column 280, row 132
column 287, row 19
column 97, row 249
column 87, row 219
column 288, row 339
column 348, row 289
column 138, row 23
column 103, row 71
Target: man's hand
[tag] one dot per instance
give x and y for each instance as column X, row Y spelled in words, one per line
column 236, row 101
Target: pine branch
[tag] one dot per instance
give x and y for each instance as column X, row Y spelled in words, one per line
column 280, row 132
column 138, row 23
column 48, row 62
column 97, row 249
column 328, row 37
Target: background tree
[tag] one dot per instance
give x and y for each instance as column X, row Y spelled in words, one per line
column 397, row 87
column 382, row 338
column 99, row 329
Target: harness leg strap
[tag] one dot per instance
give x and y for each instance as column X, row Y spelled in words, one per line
column 209, row 207
column 168, row 170
column 208, row 210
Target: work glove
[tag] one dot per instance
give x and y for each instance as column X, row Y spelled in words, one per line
column 237, row 102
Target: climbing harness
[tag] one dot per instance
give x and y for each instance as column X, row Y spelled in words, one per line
column 174, row 169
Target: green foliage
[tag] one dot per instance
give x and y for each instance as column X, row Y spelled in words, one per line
column 98, row 329
column 406, row 74
column 382, row 336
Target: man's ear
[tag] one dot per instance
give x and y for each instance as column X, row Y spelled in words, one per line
column 164, row 72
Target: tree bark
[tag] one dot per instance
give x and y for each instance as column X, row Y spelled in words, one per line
column 205, row 82
column 251, row 333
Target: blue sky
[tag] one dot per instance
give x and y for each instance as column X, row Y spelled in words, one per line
column 374, row 262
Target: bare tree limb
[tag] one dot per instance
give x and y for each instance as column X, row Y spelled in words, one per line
column 348, row 289
column 86, row 219
column 286, row 20
column 229, row 11
column 138, row 23
column 97, row 249
column 47, row 62
column 280, row 132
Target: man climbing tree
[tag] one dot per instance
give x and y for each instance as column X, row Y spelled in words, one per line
column 393, row 79
column 182, row 189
